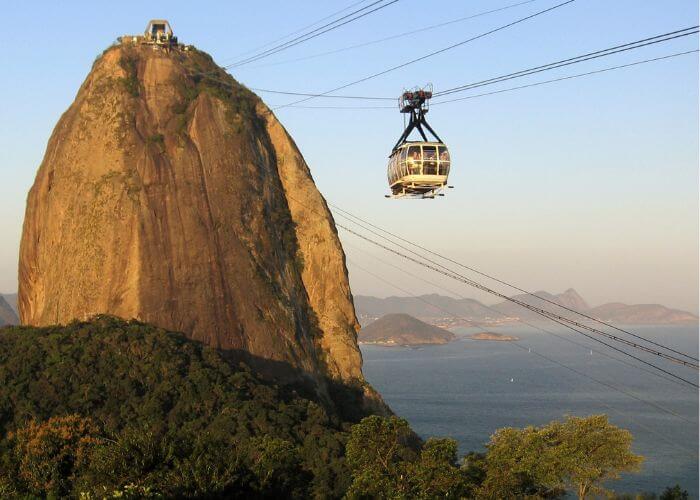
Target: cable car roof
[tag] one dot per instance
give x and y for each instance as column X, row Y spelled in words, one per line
column 418, row 143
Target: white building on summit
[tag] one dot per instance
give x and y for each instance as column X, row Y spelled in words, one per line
column 158, row 33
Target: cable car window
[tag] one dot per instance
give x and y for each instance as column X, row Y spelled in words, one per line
column 402, row 165
column 444, row 153
column 444, row 160
column 414, row 160
column 430, row 160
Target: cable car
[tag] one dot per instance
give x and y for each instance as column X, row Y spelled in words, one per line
column 418, row 169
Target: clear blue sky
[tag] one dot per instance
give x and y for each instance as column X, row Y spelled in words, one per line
column 590, row 183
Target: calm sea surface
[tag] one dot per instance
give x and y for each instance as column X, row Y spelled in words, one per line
column 464, row 390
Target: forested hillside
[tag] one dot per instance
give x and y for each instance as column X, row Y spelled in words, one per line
column 157, row 410
column 117, row 409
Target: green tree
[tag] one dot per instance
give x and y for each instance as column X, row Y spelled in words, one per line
column 386, row 463
column 278, row 468
column 436, row 473
column 520, row 463
column 674, row 493
column 134, row 457
column 474, row 471
column 593, row 451
column 48, row 455
column 209, row 467
column 377, row 455
column 579, row 454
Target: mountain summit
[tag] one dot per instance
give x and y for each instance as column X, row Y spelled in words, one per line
column 170, row 193
column 573, row 300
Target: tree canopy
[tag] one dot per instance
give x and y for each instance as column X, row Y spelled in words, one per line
column 112, row 408
column 578, row 454
column 169, row 415
column 385, row 464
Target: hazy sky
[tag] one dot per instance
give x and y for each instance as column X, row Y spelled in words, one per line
column 590, row 183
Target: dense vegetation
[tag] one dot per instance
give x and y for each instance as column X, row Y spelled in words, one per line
column 110, row 408
column 156, row 410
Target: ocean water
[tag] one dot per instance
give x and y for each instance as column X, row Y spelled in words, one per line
column 464, row 390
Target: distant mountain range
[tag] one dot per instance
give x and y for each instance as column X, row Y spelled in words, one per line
column 441, row 310
column 403, row 330
column 11, row 298
column 8, row 312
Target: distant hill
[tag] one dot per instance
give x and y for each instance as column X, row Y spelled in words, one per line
column 474, row 312
column 374, row 307
column 569, row 298
column 8, row 316
column 11, row 299
column 402, row 329
column 652, row 314
column 499, row 337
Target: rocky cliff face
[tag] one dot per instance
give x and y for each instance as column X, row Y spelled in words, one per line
column 171, row 194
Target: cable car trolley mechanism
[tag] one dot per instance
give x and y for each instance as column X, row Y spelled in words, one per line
column 418, row 169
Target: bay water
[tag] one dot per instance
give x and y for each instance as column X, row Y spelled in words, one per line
column 469, row 388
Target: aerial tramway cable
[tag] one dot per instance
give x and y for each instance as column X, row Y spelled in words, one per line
column 519, row 87
column 574, row 60
column 325, row 96
column 437, row 267
column 393, row 37
column 440, row 51
column 542, row 312
column 315, row 33
column 517, row 74
column 519, row 320
column 514, row 287
column 551, row 316
column 277, row 40
column 530, row 350
column 569, row 77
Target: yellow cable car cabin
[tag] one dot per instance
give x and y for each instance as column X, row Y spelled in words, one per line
column 418, row 169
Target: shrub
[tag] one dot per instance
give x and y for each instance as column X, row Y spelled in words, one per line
column 130, row 82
